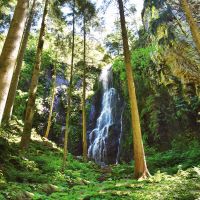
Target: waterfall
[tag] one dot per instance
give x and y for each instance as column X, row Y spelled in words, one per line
column 104, row 138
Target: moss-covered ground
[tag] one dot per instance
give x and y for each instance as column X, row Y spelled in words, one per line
column 37, row 174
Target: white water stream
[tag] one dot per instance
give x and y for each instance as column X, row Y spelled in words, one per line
column 98, row 148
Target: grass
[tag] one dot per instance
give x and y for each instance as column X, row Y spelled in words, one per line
column 37, row 174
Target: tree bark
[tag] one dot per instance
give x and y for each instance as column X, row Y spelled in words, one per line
column 33, row 87
column 193, row 25
column 15, row 78
column 10, row 50
column 51, row 104
column 141, row 170
column 65, row 152
column 84, row 91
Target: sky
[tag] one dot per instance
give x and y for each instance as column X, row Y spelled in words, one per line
column 109, row 16
column 112, row 13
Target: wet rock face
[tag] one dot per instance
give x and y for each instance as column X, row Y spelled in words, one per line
column 176, row 56
column 177, row 63
column 95, row 110
column 112, row 142
column 168, row 29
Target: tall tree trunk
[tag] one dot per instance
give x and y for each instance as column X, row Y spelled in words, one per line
column 33, row 87
column 10, row 50
column 52, row 102
column 193, row 25
column 15, row 78
column 84, row 91
column 69, row 93
column 141, row 170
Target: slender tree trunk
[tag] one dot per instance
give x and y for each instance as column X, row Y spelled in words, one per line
column 84, row 91
column 141, row 170
column 52, row 102
column 33, row 87
column 15, row 78
column 10, row 50
column 69, row 93
column 193, row 25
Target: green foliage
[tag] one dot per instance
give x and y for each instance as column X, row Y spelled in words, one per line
column 48, row 59
column 6, row 7
column 152, row 111
column 55, row 53
column 28, row 64
column 141, row 57
column 140, row 60
column 119, row 67
column 113, row 43
column 183, row 108
column 20, row 104
column 170, row 161
column 37, row 174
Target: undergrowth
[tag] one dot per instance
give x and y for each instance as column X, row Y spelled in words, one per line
column 37, row 174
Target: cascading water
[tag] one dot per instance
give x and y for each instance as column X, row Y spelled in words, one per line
column 105, row 138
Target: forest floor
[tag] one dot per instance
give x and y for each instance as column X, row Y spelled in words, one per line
column 37, row 174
